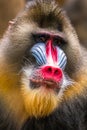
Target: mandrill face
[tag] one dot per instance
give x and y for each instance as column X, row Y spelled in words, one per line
column 44, row 80
column 43, row 46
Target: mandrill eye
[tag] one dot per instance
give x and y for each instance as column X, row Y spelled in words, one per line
column 40, row 37
column 60, row 27
column 59, row 41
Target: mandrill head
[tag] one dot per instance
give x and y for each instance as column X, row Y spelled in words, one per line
column 43, row 46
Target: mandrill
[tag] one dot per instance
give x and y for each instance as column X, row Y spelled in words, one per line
column 43, row 71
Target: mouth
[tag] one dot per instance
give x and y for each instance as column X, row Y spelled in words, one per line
column 48, row 84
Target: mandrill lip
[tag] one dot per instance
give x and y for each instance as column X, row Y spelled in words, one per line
column 36, row 83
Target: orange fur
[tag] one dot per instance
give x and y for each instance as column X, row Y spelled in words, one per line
column 10, row 94
column 78, row 88
column 39, row 102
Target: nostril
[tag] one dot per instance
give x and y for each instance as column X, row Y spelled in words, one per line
column 56, row 72
column 49, row 70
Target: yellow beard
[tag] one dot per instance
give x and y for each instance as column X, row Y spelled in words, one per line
column 39, row 102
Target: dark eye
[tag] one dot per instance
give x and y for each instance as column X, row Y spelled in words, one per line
column 58, row 41
column 40, row 38
column 60, row 27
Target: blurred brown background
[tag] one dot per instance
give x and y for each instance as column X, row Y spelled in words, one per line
column 78, row 15
column 8, row 11
column 77, row 12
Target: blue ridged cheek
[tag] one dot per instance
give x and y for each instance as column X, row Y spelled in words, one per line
column 39, row 52
column 62, row 59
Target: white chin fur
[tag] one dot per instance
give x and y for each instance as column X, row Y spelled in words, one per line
column 65, row 84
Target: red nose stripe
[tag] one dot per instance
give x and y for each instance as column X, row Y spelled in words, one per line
column 51, row 51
